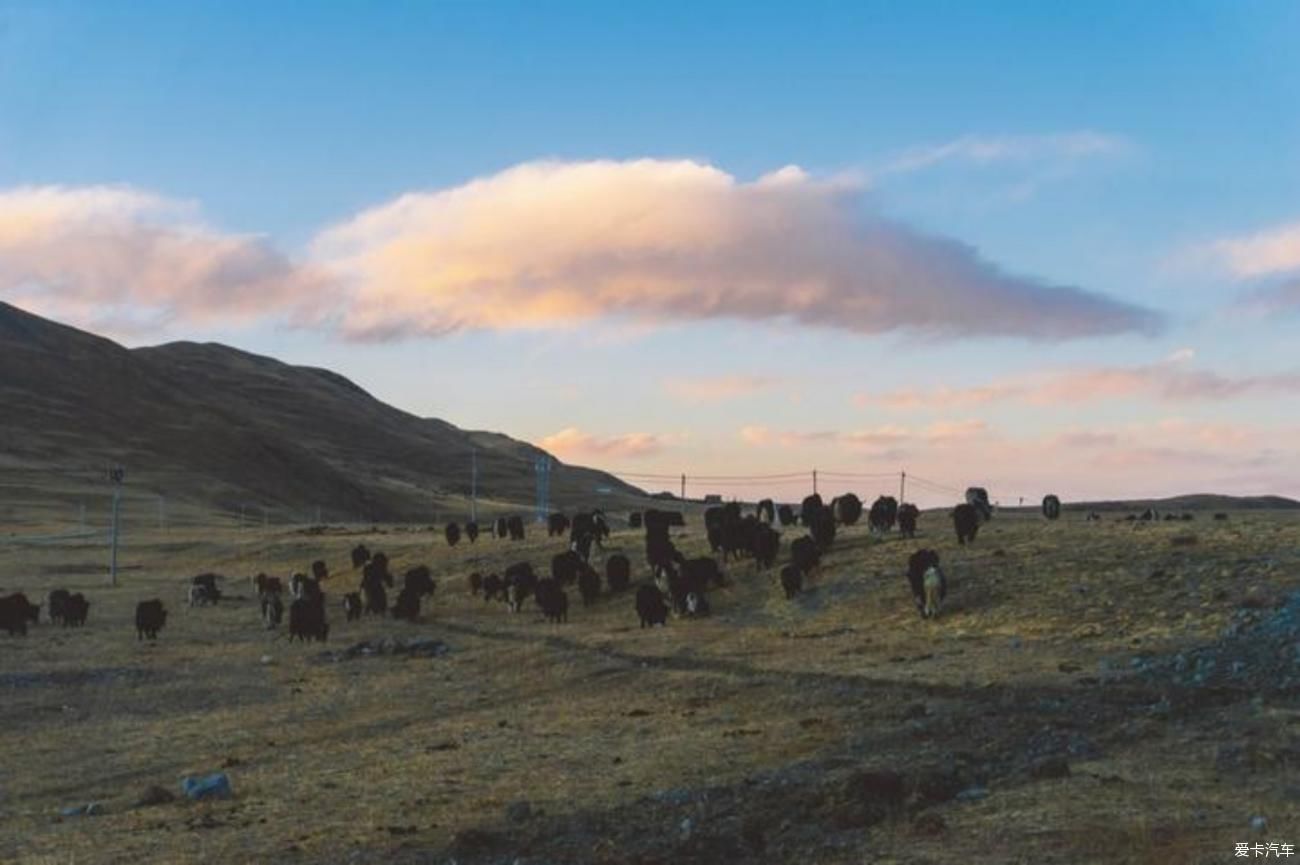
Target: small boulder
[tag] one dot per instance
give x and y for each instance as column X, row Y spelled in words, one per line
column 154, row 795
column 215, row 786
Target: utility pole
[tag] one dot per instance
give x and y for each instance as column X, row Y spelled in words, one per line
column 543, row 468
column 814, row 481
column 117, row 475
column 902, row 487
column 683, row 486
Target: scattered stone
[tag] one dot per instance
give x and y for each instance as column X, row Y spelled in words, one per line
column 686, row 827
column 1259, row 823
column 216, row 786
column 411, row 647
column 154, row 795
column 972, row 794
column 90, row 809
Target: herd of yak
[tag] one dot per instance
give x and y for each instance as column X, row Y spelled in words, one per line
column 677, row 583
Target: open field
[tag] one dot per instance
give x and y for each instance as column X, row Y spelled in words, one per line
column 742, row 737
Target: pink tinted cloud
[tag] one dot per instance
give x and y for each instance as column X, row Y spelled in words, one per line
column 128, row 260
column 572, row 442
column 1167, row 381
column 717, row 388
column 558, row 244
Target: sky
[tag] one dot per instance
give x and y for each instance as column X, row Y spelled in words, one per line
column 1035, row 247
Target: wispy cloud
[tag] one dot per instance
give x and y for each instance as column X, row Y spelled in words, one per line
column 557, row 244
column 128, row 259
column 889, row 436
column 572, row 442
column 1167, row 381
column 988, row 149
column 716, row 388
column 1263, row 253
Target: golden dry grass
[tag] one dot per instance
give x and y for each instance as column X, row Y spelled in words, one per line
column 383, row 759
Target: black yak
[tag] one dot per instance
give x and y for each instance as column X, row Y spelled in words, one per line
column 552, row 600
column 273, row 609
column 618, row 573
column 501, row 527
column 556, row 524
column 928, row 584
column 75, row 610
column 15, row 613
column 791, row 581
column 805, row 555
column 650, row 606
column 822, row 528
column 978, row 498
column 1051, row 507
column 56, row 605
column 810, row 507
column 521, row 583
column 471, row 531
column 515, row 526
column 307, row 620
column 785, row 515
column 360, row 555
column 883, row 515
column 352, row 606
column 150, row 617
column 966, row 522
column 634, row 520
column 908, row 514
column 766, row 511
column 452, row 534
column 494, row 588
column 475, row 583
column 847, row 509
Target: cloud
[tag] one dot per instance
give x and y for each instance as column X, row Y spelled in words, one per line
column 888, row 436
column 572, row 442
column 987, row 149
column 716, row 388
column 563, row 244
column 1166, row 381
column 133, row 261
column 1264, row 253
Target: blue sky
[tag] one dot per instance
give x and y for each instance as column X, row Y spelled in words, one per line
column 1120, row 149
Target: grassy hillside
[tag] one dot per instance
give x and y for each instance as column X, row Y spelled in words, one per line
column 1040, row 696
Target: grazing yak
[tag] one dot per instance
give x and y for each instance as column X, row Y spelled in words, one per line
column 552, row 600
column 847, row 509
column 966, row 522
column 471, row 531
column 353, row 606
column 202, row 596
column 56, row 605
column 501, row 527
column 319, row 572
column 452, row 534
column 767, row 544
column 791, row 581
column 588, row 527
column 618, row 573
column 515, row 526
column 978, row 498
column 272, row 609
column 766, row 511
column 883, row 514
column 475, row 583
column 494, row 588
column 263, row 584
column 556, row 524
column 805, row 555
column 785, row 515
column 1051, row 507
column 811, row 506
column 374, row 577
column 303, row 586
column 650, row 606
column 417, row 583
column 566, row 566
column 307, row 620
column 908, row 514
column 822, row 528
column 521, row 582
column 150, row 617
column 16, row 611
column 360, row 555
column 929, row 586
column 75, row 610
column 588, row 584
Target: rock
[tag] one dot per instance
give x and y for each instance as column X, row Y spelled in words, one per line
column 972, row 794
column 518, row 812
column 1051, row 767
column 154, row 795
column 90, row 809
column 676, row 796
column 1258, row 823
column 266, row 659
column 686, row 827
column 215, row 786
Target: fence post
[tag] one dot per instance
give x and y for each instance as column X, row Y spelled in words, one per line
column 902, row 487
column 683, row 486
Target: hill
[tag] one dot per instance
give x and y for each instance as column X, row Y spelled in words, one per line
column 1192, row 502
column 219, row 427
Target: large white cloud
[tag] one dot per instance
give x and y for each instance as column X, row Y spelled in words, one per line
column 120, row 255
column 561, row 243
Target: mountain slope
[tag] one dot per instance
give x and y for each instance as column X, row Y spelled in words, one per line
column 218, row 426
